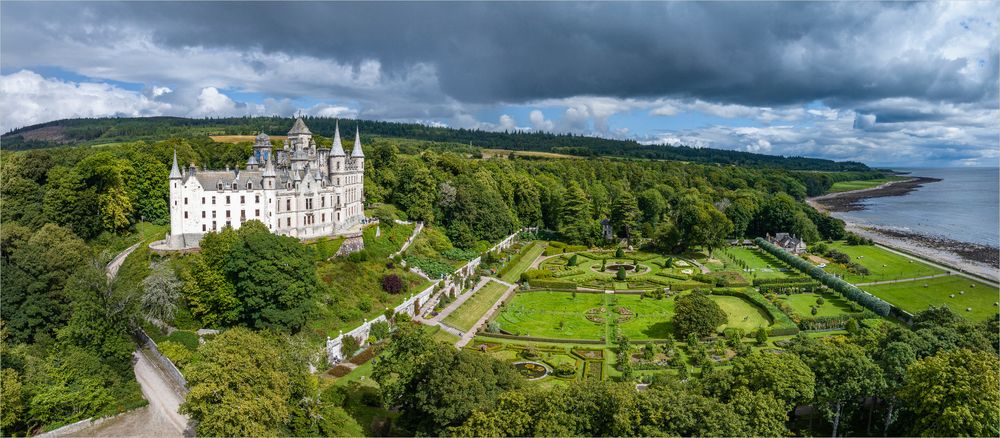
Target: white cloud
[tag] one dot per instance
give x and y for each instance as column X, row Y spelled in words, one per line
column 27, row 98
column 507, row 123
column 539, row 123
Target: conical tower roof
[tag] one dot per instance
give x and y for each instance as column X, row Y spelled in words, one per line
column 299, row 127
column 338, row 147
column 175, row 172
column 269, row 169
column 356, row 153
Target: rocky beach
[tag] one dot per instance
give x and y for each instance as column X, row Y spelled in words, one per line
column 977, row 259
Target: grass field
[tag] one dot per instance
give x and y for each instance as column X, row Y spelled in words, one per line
column 761, row 264
column 652, row 317
column 913, row 297
column 882, row 264
column 741, row 313
column 552, row 315
column 802, row 304
column 846, row 186
column 472, row 309
column 528, row 255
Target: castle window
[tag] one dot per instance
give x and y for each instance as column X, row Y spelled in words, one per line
column 256, row 199
column 227, row 214
column 213, row 200
column 202, row 228
column 338, row 216
column 288, row 204
column 249, row 185
column 185, row 201
column 338, row 200
column 227, row 200
column 220, row 186
column 213, row 225
column 269, row 184
column 235, row 187
column 243, row 215
column 322, row 201
column 202, row 200
column 322, row 217
column 256, row 213
column 309, row 204
column 185, row 215
column 243, row 199
column 203, row 215
column 288, row 222
column 213, row 215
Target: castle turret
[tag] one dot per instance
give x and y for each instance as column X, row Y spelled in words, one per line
column 337, row 158
column 176, row 239
column 357, row 154
column 269, row 175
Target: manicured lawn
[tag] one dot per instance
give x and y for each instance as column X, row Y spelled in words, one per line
column 741, row 313
column 882, row 264
column 651, row 273
column 528, row 255
column 552, row 315
column 652, row 320
column 761, row 264
column 845, row 186
column 471, row 310
column 913, row 297
column 833, row 305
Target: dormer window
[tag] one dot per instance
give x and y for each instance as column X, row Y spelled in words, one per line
column 220, row 186
column 249, row 185
column 235, row 186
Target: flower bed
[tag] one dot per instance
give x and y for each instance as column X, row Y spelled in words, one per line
column 531, row 370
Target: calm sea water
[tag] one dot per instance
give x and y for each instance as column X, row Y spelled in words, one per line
column 963, row 206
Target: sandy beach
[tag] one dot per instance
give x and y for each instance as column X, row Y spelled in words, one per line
column 981, row 260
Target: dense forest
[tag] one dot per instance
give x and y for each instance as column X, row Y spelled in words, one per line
column 66, row 331
column 153, row 128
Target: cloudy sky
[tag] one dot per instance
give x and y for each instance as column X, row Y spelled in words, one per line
column 885, row 83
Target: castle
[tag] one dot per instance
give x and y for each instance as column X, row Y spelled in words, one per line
column 300, row 190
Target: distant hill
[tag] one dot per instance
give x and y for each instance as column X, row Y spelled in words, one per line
column 109, row 130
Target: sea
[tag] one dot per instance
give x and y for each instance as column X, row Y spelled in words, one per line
column 963, row 206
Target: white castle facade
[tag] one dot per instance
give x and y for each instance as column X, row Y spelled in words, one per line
column 301, row 190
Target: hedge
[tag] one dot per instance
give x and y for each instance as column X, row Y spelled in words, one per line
column 515, row 259
column 553, row 284
column 782, row 326
column 794, row 279
column 849, row 290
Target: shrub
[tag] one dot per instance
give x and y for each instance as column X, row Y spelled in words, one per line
column 621, row 274
column 349, row 345
column 820, row 301
column 392, row 283
column 761, row 336
column 619, row 253
column 177, row 353
column 572, row 261
column 185, row 338
column 358, row 257
column 379, row 330
column 534, row 274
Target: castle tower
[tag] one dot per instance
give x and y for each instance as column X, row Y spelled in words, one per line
column 262, row 148
column 176, row 239
column 337, row 157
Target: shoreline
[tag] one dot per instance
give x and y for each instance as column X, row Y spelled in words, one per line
column 851, row 200
column 975, row 259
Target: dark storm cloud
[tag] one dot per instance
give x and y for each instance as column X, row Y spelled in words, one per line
column 747, row 53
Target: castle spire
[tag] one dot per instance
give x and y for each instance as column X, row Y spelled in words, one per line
column 269, row 169
column 356, row 153
column 338, row 147
column 175, row 172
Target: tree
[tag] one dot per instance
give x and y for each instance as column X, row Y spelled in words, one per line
column 101, row 317
column 238, row 387
column 894, row 359
column 625, row 213
column 274, row 278
column 576, row 225
column 954, row 393
column 700, row 223
column 69, row 202
column 209, row 295
column 784, row 376
column 761, row 336
column 652, row 205
column 844, row 373
column 697, row 314
column 36, row 267
column 161, row 290
column 436, row 386
column 416, row 191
